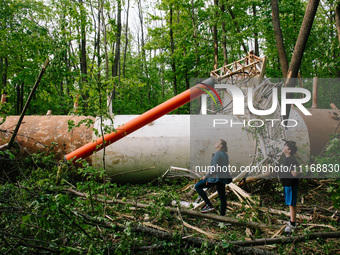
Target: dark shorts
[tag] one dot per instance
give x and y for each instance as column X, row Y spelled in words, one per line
column 290, row 193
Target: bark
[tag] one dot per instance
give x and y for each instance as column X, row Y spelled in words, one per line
column 144, row 62
column 224, row 38
column 287, row 240
column 126, row 36
column 18, row 100
column 105, row 46
column 196, row 241
column 4, row 67
column 256, row 33
column 116, row 60
column 301, row 42
column 215, row 38
column 83, row 61
column 279, row 38
column 119, row 32
column 250, row 224
column 195, row 34
column 238, row 29
column 299, row 48
column 172, row 46
column 21, row 97
column 186, row 75
column 10, row 144
column 96, row 45
column 98, row 40
column 337, row 19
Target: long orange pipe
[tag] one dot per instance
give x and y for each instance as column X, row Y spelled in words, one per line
column 140, row 121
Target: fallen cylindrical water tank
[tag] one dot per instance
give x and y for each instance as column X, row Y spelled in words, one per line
column 151, row 150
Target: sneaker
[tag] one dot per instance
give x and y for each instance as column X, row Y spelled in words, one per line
column 207, row 208
column 289, row 228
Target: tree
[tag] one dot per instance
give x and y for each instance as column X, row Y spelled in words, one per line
column 279, row 38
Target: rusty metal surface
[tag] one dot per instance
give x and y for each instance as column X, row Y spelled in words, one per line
column 39, row 132
column 320, row 125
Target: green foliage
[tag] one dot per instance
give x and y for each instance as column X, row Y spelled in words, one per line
column 32, row 30
column 331, row 156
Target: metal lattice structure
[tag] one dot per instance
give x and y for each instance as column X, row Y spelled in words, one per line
column 245, row 73
column 242, row 69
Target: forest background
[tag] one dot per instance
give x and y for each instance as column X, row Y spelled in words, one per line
column 139, row 54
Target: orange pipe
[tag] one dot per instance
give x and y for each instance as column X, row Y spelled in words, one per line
column 140, row 121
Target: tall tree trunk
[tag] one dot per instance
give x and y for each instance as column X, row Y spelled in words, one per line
column 21, row 97
column 256, row 35
column 105, row 46
column 279, row 38
column 115, row 66
column 83, row 61
column 172, row 46
column 98, row 40
column 116, row 61
column 186, row 71
column 301, row 42
column 126, row 36
column 18, row 99
column 224, row 37
column 3, row 72
column 193, row 16
column 215, row 36
column 299, row 48
column 337, row 19
column 237, row 29
column 144, row 62
column 95, row 37
column 140, row 14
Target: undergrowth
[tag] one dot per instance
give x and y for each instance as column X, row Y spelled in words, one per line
column 38, row 214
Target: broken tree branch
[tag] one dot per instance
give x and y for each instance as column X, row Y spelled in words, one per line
column 273, row 211
column 196, row 241
column 286, row 240
column 10, row 144
column 240, row 222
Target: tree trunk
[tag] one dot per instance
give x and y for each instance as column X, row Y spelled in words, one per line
column 116, row 61
column 172, row 57
column 224, row 38
column 256, row 40
column 144, row 62
column 299, row 48
column 301, row 42
column 215, row 37
column 337, row 19
column 279, row 38
column 118, row 35
column 4, row 67
column 126, row 36
column 187, row 82
column 21, row 97
column 18, row 100
column 98, row 40
column 195, row 35
column 83, row 61
column 238, row 30
column 105, row 47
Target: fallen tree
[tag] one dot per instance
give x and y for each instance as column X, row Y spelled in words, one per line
column 239, row 222
column 233, row 245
